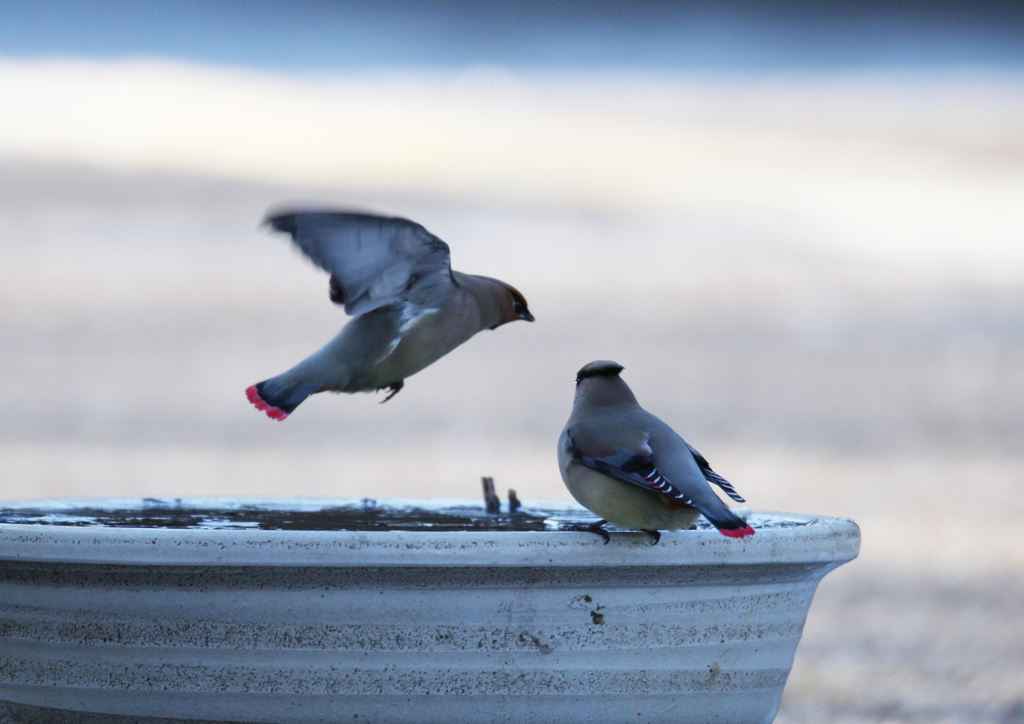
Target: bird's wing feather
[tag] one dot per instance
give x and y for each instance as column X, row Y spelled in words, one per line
column 714, row 477
column 636, row 470
column 373, row 260
column 638, row 465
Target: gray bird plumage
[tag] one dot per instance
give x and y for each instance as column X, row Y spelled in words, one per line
column 632, row 469
column 409, row 307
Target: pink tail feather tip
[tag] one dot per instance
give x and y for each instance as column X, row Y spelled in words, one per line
column 274, row 413
column 737, row 532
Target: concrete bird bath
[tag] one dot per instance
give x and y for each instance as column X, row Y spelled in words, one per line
column 299, row 611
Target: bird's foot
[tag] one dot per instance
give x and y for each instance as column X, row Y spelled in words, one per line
column 393, row 389
column 656, row 534
column 336, row 293
column 594, row 528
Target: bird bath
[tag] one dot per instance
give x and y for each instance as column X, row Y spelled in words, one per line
column 413, row 611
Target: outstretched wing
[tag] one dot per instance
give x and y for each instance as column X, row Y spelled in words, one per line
column 373, row 260
column 714, row 477
column 636, row 470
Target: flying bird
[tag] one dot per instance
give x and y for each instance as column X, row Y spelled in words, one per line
column 409, row 307
column 633, row 470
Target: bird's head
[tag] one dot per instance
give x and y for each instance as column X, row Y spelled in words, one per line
column 512, row 306
column 598, row 383
column 599, row 368
column 519, row 307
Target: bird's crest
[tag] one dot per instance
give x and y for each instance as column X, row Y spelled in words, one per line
column 599, row 368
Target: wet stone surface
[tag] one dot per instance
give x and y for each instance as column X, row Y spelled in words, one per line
column 364, row 515
column 359, row 515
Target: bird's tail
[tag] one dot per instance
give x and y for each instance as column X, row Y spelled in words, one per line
column 278, row 397
column 728, row 523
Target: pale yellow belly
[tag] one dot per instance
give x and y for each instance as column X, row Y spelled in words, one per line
column 623, row 504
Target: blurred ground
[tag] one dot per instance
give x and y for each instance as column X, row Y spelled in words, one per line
column 819, row 365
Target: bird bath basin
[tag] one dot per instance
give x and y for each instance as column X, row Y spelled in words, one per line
column 297, row 611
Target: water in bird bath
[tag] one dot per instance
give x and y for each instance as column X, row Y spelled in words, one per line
column 317, row 515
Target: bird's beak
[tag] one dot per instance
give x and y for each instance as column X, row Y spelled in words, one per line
column 526, row 316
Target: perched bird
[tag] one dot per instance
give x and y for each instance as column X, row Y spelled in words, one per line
column 632, row 469
column 409, row 307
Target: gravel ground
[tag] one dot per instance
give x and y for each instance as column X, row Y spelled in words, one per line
column 910, row 648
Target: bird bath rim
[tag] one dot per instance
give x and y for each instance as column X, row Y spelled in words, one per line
column 780, row 537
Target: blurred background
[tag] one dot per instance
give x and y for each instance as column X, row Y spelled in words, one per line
column 798, row 225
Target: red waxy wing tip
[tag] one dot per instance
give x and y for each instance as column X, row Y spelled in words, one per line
column 737, row 532
column 274, row 413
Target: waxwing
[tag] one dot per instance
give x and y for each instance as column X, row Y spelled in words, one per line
column 632, row 469
column 409, row 307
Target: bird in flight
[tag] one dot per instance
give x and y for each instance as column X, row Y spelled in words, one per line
column 409, row 307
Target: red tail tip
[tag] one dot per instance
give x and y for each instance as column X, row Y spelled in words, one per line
column 737, row 532
column 274, row 413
